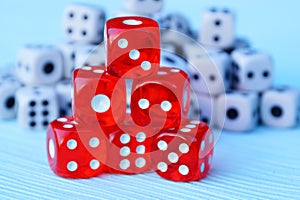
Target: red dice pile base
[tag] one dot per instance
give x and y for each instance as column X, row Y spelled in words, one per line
column 101, row 137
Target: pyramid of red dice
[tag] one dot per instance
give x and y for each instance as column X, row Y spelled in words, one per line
column 101, row 137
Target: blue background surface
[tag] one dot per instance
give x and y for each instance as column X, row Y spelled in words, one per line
column 270, row 25
column 262, row 164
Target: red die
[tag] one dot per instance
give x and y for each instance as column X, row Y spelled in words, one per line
column 98, row 96
column 161, row 100
column 73, row 153
column 132, row 46
column 184, row 155
column 130, row 150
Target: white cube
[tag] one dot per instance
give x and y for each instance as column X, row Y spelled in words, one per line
column 253, row 70
column 217, row 28
column 37, row 107
column 280, row 107
column 84, row 23
column 237, row 111
column 39, row 65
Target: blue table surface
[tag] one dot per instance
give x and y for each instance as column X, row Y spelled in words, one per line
column 261, row 164
column 264, row 164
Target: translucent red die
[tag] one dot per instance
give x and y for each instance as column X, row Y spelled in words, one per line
column 132, row 46
column 75, row 154
column 162, row 99
column 98, row 97
column 130, row 149
column 184, row 155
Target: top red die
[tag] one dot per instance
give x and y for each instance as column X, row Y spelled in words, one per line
column 132, row 46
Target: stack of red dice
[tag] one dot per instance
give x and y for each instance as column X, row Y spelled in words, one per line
column 101, row 137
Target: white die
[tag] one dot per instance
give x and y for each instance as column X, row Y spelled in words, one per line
column 144, row 7
column 68, row 51
column 280, row 107
column 217, row 28
column 172, row 60
column 84, row 23
column 203, row 107
column 211, row 74
column 8, row 87
column 37, row 106
column 175, row 22
column 239, row 43
column 175, row 38
column 168, row 47
column 92, row 55
column 63, row 91
column 253, row 70
column 39, row 65
column 193, row 51
column 237, row 111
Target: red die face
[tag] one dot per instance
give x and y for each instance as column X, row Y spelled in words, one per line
column 98, row 96
column 161, row 100
column 72, row 153
column 130, row 149
column 186, row 155
column 132, row 46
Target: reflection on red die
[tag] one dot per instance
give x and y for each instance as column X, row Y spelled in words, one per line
column 161, row 100
column 132, row 46
column 98, row 96
column 73, row 153
column 184, row 155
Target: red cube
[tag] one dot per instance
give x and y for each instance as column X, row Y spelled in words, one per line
column 161, row 100
column 184, row 155
column 98, row 97
column 132, row 46
column 130, row 149
column 75, row 151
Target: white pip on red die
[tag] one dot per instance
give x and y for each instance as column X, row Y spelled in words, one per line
column 92, row 55
column 253, row 70
column 211, row 73
column 280, row 107
column 144, row 7
column 63, row 91
column 39, row 65
column 8, row 87
column 237, row 111
column 84, row 23
column 217, row 28
column 37, row 106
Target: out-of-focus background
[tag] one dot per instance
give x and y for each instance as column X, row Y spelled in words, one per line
column 269, row 25
column 263, row 164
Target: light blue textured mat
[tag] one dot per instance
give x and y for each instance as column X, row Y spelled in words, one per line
column 262, row 164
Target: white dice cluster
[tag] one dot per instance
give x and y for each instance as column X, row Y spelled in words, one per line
column 38, row 90
column 232, row 82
